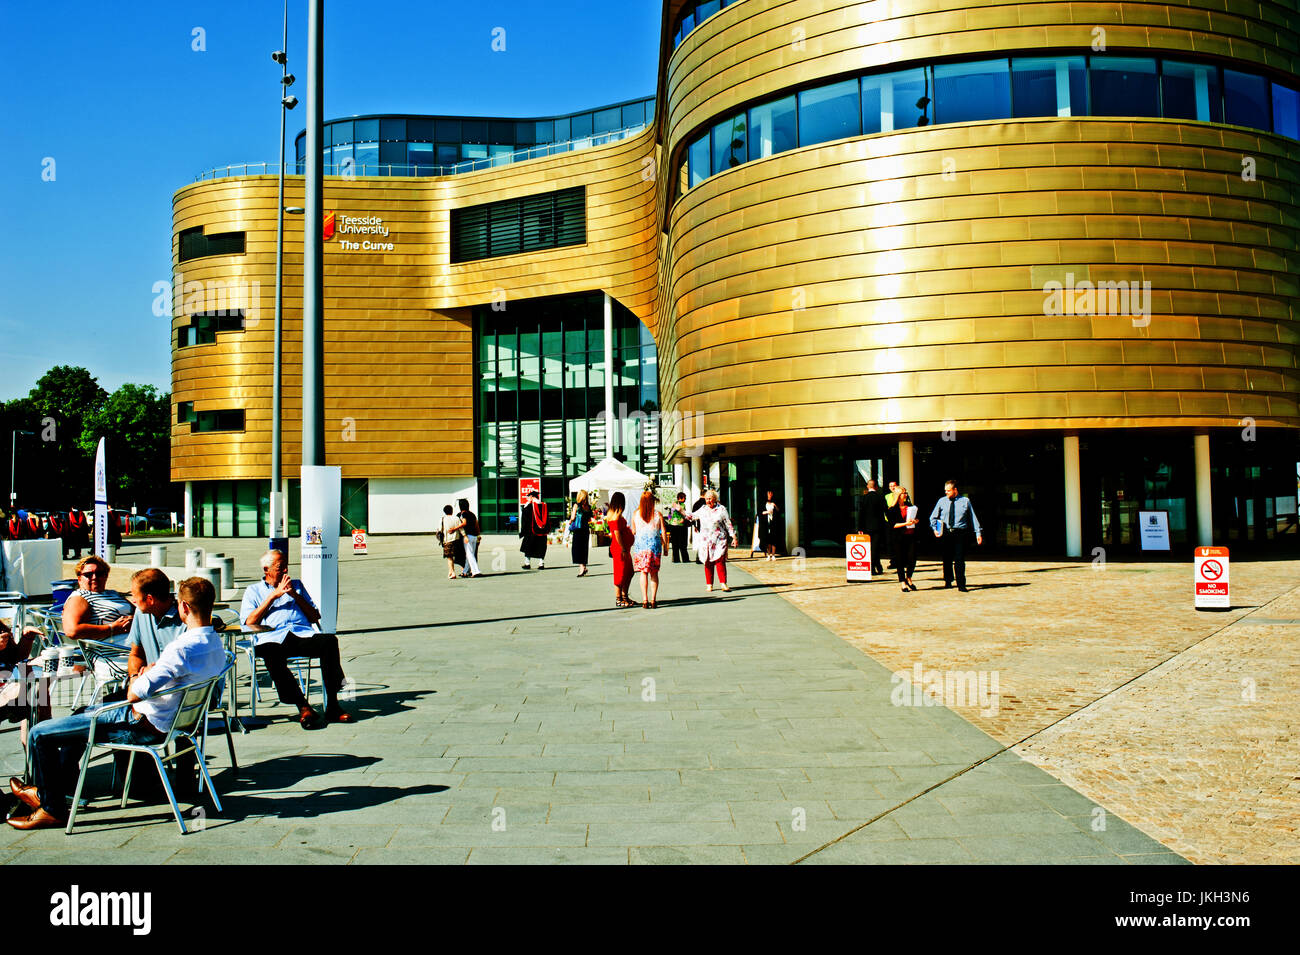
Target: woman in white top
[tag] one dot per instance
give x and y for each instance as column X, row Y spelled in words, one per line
column 93, row 612
column 715, row 530
column 453, row 530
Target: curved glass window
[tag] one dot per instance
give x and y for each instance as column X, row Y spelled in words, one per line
column 693, row 14
column 969, row 91
column 994, row 89
column 1124, row 87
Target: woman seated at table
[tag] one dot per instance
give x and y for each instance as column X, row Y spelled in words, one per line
column 93, row 612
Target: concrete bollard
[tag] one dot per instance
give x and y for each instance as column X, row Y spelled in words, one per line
column 111, row 556
column 158, row 555
column 193, row 559
column 227, row 567
column 213, row 574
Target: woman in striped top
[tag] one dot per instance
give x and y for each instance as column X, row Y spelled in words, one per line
column 94, row 612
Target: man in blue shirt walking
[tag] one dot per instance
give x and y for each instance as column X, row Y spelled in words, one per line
column 954, row 522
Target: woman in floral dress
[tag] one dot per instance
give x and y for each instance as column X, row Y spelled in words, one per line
column 714, row 531
column 650, row 538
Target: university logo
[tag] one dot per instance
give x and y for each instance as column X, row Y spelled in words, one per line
column 327, row 230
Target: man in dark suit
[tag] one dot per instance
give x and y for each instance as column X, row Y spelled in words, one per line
column 954, row 522
column 873, row 523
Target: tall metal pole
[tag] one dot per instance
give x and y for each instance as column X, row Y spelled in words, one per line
column 277, row 505
column 13, row 459
column 313, row 304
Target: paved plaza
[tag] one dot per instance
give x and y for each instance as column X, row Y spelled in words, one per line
column 522, row 718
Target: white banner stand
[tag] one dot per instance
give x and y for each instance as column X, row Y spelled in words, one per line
column 322, row 492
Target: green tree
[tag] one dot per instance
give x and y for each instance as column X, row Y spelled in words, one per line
column 136, row 421
column 53, row 471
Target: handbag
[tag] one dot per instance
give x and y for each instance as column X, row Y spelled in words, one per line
column 579, row 521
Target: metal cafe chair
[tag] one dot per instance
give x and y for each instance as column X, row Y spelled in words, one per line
column 248, row 645
column 189, row 724
column 106, row 662
column 13, row 609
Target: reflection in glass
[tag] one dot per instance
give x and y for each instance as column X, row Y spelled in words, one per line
column 829, row 113
column 1191, row 91
column 729, row 143
column 1286, row 111
column 1049, row 86
column 1123, row 87
column 773, row 128
column 698, row 160
column 898, row 100
column 964, row 92
column 1246, row 99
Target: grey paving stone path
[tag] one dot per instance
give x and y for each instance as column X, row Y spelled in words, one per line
column 521, row 718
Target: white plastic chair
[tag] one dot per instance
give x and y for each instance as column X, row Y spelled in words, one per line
column 188, row 724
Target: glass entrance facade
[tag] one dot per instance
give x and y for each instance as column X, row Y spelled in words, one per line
column 541, row 397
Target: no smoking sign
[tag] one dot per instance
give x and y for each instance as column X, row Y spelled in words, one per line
column 857, row 557
column 1210, row 578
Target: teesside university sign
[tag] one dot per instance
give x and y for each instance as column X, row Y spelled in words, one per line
column 342, row 225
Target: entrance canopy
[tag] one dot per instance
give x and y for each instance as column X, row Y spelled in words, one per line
column 608, row 476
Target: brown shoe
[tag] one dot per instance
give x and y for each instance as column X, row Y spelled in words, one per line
column 39, row 819
column 337, row 714
column 24, row 794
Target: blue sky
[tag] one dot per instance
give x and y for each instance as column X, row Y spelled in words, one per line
column 115, row 95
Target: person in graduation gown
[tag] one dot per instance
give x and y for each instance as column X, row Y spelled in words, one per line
column 532, row 528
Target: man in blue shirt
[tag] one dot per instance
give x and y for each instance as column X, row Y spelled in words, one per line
column 282, row 606
column 954, row 522
column 57, row 745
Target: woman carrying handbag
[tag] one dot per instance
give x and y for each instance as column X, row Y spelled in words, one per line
column 580, row 528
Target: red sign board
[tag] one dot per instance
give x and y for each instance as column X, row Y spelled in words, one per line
column 527, row 485
column 857, row 557
column 1210, row 578
column 359, row 540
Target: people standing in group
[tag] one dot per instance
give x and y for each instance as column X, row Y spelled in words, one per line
column 649, row 540
column 620, row 548
column 678, row 520
column 453, row 529
column 715, row 531
column 532, row 528
column 902, row 518
column 875, row 524
column 954, row 522
column 580, row 530
column 769, row 526
column 470, row 536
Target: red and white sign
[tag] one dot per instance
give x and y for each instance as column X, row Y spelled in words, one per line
column 857, row 557
column 525, row 486
column 1211, row 578
column 358, row 540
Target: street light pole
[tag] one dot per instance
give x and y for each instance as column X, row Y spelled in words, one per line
column 13, row 462
column 287, row 102
column 313, row 305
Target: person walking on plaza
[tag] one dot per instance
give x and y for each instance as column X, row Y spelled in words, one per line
column 902, row 518
column 532, row 528
column 78, row 532
column 580, row 528
column 695, row 525
column 874, row 523
column 889, row 502
column 954, row 522
column 649, row 540
column 469, row 528
column 715, row 530
column 452, row 533
column 620, row 548
column 678, row 520
column 769, row 527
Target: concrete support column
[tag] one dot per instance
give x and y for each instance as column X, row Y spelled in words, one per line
column 791, row 504
column 188, row 516
column 905, row 472
column 679, row 475
column 609, row 377
column 697, row 479
column 1073, row 499
column 1204, row 505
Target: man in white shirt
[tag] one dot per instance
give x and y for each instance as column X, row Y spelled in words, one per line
column 57, row 745
column 282, row 606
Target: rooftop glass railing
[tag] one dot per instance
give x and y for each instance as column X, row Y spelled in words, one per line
column 353, row 168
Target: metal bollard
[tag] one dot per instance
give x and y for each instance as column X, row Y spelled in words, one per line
column 213, row 574
column 111, row 556
column 158, row 555
column 227, row 567
column 193, row 559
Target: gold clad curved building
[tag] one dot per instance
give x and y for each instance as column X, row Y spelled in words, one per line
column 1047, row 249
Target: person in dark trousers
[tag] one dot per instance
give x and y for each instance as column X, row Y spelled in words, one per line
column 678, row 519
column 954, row 522
column 874, row 524
column 532, row 528
column 902, row 519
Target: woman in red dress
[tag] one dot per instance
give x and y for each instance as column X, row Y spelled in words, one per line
column 620, row 545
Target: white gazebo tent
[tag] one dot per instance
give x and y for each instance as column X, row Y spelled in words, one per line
column 608, row 476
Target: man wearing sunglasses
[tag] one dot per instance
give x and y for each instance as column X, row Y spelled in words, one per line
column 92, row 611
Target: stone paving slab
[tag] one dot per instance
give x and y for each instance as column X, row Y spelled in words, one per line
column 520, row 718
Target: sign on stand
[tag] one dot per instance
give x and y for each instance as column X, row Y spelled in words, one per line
column 358, row 540
column 857, row 557
column 322, row 488
column 1153, row 529
column 526, row 486
column 1211, row 577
